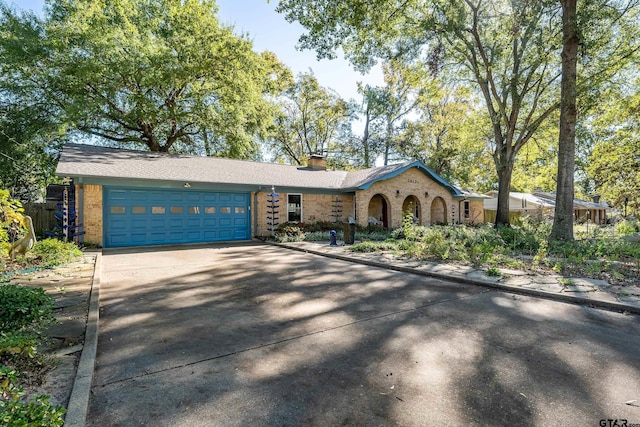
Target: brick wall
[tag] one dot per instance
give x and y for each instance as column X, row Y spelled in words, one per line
column 412, row 182
column 315, row 207
column 92, row 213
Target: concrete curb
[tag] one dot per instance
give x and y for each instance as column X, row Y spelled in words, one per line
column 79, row 401
column 616, row 306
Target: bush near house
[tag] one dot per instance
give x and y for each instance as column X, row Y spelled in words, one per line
column 604, row 253
column 24, row 314
column 319, row 231
column 11, row 221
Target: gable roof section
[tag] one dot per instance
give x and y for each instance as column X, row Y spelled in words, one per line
column 90, row 161
column 363, row 179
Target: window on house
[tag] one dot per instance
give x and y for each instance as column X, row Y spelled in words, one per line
column 467, row 210
column 294, row 207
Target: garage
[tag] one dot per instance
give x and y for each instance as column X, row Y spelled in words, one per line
column 151, row 216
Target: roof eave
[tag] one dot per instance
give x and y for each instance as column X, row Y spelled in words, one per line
column 453, row 190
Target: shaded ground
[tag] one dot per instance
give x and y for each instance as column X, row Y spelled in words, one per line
column 260, row 335
column 70, row 287
column 545, row 280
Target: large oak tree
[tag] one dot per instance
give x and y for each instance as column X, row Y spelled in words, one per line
column 507, row 48
column 165, row 75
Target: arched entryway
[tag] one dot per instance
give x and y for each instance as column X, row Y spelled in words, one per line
column 438, row 211
column 412, row 205
column 378, row 211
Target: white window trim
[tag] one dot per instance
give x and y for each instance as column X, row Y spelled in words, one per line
column 301, row 207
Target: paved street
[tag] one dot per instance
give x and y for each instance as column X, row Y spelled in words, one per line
column 250, row 334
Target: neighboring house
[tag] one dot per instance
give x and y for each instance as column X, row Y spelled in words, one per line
column 543, row 204
column 135, row 198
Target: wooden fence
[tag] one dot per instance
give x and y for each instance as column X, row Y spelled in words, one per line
column 43, row 216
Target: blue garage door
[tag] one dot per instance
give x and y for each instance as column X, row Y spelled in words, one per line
column 141, row 217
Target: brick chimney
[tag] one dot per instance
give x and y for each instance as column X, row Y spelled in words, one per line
column 317, row 162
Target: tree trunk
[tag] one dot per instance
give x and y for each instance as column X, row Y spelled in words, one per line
column 504, row 188
column 563, row 218
column 387, row 145
column 365, row 139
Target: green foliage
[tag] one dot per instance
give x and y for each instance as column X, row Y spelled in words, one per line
column 628, row 226
column 11, row 220
column 289, row 233
column 374, row 235
column 493, row 272
column 319, row 231
column 161, row 74
column 53, row 252
column 30, row 131
column 519, row 239
column 321, row 236
column 594, row 249
column 371, row 246
column 15, row 412
column 24, row 308
column 310, row 121
column 19, row 349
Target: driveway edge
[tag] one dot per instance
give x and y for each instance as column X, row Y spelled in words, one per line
column 487, row 284
column 78, row 406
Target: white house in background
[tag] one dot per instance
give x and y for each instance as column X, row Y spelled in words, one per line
column 540, row 203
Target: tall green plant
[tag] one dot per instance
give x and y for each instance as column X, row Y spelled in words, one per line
column 11, row 220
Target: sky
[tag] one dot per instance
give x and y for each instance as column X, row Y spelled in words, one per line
column 270, row 31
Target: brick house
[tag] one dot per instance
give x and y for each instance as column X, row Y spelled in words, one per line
column 135, row 198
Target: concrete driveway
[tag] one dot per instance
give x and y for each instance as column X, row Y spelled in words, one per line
column 251, row 334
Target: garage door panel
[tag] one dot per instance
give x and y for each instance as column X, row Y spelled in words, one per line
column 136, row 217
column 157, row 223
column 176, row 223
column 139, row 223
column 210, row 222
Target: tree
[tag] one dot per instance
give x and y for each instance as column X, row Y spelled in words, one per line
column 406, row 87
column 371, row 109
column 617, row 37
column 29, row 128
column 311, row 121
column 506, row 48
column 434, row 136
column 614, row 163
column 159, row 74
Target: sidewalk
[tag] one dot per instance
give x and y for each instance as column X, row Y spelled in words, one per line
column 593, row 292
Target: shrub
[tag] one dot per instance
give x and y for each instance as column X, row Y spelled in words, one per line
column 519, row 238
column 628, row 226
column 374, row 247
column 55, row 252
column 289, row 233
column 16, row 412
column 19, row 350
column 11, row 220
column 22, row 307
column 377, row 236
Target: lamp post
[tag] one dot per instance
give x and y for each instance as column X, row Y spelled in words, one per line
column 588, row 217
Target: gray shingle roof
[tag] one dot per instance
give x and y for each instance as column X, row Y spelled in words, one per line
column 79, row 160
